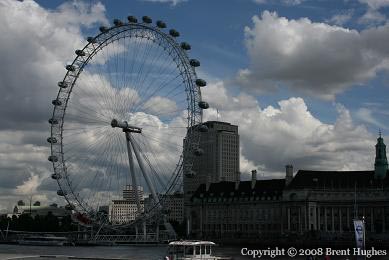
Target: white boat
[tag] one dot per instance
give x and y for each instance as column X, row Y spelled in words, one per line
column 192, row 250
column 43, row 241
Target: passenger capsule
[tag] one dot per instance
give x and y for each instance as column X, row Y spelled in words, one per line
column 56, row 102
column 203, row 128
column 117, row 22
column 61, row 193
column 132, row 19
column 185, row 46
column 147, row 19
column 56, row 176
column 70, row 207
column 53, row 158
column 80, row 53
column 161, row 24
column 199, row 152
column 70, row 68
column 53, row 121
column 203, row 105
column 201, row 82
column 190, row 174
column 194, row 63
column 52, row 140
column 62, row 84
column 103, row 29
column 91, row 39
column 174, row 33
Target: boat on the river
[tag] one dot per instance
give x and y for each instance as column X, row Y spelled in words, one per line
column 43, row 241
column 192, row 250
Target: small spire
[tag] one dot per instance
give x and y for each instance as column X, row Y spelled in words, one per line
column 379, row 133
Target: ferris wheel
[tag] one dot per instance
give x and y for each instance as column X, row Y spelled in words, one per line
column 127, row 113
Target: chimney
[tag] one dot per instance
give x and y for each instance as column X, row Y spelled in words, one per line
column 289, row 174
column 207, row 184
column 237, row 182
column 253, row 178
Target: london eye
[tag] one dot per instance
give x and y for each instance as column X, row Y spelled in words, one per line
column 126, row 114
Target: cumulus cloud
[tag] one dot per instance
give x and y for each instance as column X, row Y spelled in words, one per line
column 285, row 2
column 375, row 4
column 367, row 115
column 341, row 18
column 172, row 2
column 314, row 58
column 36, row 45
column 373, row 16
column 288, row 133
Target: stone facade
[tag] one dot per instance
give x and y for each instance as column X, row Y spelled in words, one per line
column 174, row 204
column 123, row 211
column 238, row 209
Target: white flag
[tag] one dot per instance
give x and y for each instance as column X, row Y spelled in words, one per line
column 359, row 228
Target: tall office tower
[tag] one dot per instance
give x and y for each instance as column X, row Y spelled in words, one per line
column 220, row 158
column 129, row 193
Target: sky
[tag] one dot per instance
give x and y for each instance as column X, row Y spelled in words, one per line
column 306, row 81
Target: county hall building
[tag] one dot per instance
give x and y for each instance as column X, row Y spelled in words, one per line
column 312, row 204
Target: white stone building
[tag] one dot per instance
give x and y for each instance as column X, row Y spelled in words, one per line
column 126, row 210
column 123, row 211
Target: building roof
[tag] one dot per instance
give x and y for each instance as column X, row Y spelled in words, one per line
column 336, row 180
column 262, row 188
column 191, row 243
column 218, row 122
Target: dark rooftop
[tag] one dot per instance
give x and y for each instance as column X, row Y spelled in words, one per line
column 262, row 188
column 336, row 180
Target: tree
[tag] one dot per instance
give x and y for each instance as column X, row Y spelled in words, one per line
column 37, row 203
column 21, row 203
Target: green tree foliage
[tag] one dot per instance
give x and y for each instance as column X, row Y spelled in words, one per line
column 48, row 223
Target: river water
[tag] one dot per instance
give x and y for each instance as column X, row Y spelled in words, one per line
column 127, row 252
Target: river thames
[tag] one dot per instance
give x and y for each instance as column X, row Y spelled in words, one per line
column 129, row 252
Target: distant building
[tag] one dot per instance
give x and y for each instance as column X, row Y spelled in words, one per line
column 174, row 204
column 220, row 158
column 129, row 193
column 126, row 210
column 41, row 210
column 123, row 211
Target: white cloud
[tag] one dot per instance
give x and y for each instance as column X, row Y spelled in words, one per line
column 36, row 51
column 160, row 105
column 366, row 115
column 272, row 137
column 284, row 2
column 36, row 44
column 314, row 58
column 373, row 16
column 30, row 186
column 375, row 4
column 340, row 19
column 172, row 2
